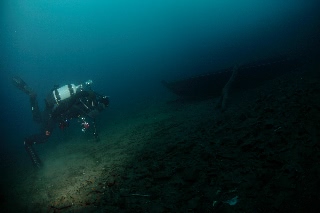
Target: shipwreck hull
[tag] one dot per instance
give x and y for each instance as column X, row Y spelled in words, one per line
column 248, row 76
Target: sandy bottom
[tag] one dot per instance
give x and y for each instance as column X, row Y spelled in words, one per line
column 260, row 155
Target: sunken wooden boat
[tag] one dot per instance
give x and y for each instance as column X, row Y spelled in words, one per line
column 248, row 76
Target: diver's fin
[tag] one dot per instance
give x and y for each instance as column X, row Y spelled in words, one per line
column 33, row 155
column 21, row 85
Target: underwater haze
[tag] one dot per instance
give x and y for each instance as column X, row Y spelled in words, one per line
column 128, row 47
column 155, row 146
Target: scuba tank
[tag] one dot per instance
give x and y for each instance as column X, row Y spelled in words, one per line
column 60, row 94
column 64, row 92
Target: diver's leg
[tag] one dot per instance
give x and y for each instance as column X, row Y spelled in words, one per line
column 42, row 137
column 21, row 85
column 33, row 155
column 28, row 145
column 48, row 121
column 95, row 132
column 36, row 114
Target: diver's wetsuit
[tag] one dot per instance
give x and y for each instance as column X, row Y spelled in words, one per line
column 61, row 105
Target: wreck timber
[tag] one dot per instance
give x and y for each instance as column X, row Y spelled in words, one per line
column 249, row 75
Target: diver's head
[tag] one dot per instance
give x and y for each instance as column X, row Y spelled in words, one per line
column 88, row 83
column 103, row 102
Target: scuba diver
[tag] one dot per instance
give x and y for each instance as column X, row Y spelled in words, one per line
column 61, row 105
